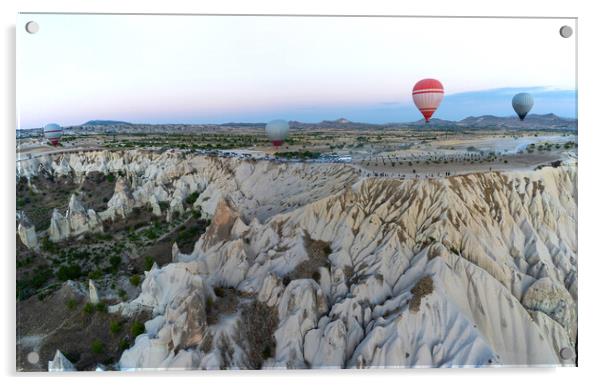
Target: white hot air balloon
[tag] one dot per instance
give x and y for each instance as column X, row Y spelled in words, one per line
column 53, row 133
column 277, row 131
column 522, row 104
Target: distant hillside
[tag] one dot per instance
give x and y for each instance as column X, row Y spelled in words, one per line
column 549, row 121
column 532, row 121
column 106, row 123
column 339, row 124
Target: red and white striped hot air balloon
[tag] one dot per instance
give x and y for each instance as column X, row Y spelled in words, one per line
column 427, row 94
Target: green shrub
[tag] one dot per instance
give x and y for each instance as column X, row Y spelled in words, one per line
column 148, row 263
column 101, row 307
column 115, row 260
column 95, row 275
column 97, row 346
column 71, row 303
column 135, row 280
column 115, row 327
column 88, row 308
column 123, row 344
column 190, row 199
column 49, row 246
column 137, row 328
column 69, row 272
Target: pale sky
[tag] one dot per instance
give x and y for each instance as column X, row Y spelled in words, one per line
column 212, row 69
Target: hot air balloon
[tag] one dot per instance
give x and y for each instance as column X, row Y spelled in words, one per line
column 53, row 133
column 427, row 94
column 522, row 104
column 277, row 131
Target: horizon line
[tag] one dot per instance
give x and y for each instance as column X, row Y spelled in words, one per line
column 116, row 121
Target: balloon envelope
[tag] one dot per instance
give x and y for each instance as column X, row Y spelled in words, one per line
column 277, row 131
column 53, row 133
column 522, row 104
column 427, row 95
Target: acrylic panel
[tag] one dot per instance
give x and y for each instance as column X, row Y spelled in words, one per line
column 284, row 192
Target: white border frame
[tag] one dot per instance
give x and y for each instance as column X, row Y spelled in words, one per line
column 590, row 31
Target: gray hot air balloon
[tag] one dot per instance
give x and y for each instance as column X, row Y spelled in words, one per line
column 522, row 104
column 277, row 131
column 53, row 133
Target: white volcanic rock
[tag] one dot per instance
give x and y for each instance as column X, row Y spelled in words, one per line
column 485, row 240
column 76, row 221
column 555, row 301
column 27, row 231
column 299, row 309
column 154, row 203
column 325, row 347
column 59, row 227
column 500, row 251
column 60, row 363
column 80, row 220
column 121, row 203
column 271, row 290
column 92, row 292
column 260, row 189
column 175, row 207
column 175, row 252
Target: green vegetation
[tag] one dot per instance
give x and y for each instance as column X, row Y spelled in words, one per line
column 298, row 155
column 135, row 280
column 190, row 199
column 95, row 275
column 26, row 287
column 123, row 344
column 101, row 307
column 137, row 328
column 88, row 308
column 148, row 263
column 69, row 272
column 71, row 303
column 115, row 327
column 97, row 346
column 188, row 234
column 208, row 141
column 115, row 261
column 49, row 246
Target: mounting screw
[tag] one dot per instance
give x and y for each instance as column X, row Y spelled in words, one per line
column 32, row 27
column 566, row 353
column 33, row 357
column 566, row 31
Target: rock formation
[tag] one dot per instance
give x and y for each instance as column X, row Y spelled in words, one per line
column 471, row 270
column 60, row 363
column 122, row 202
column 76, row 221
column 92, row 293
column 27, row 231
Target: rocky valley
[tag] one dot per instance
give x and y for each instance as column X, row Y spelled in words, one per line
column 171, row 260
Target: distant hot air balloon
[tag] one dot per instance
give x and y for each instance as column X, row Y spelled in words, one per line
column 53, row 133
column 277, row 131
column 427, row 94
column 522, row 104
